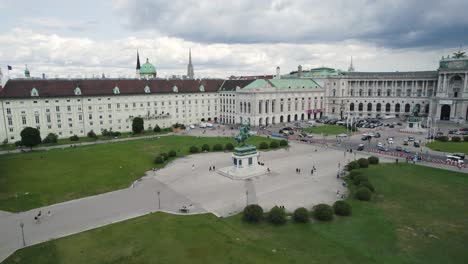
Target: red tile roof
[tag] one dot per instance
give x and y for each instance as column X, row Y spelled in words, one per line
column 21, row 88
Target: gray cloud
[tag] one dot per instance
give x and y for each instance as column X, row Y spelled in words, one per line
column 397, row 23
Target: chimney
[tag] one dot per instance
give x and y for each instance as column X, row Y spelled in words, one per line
column 278, row 74
column 299, row 71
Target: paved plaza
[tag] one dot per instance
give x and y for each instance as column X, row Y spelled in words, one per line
column 179, row 184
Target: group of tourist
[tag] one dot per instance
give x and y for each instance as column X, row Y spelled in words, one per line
column 38, row 217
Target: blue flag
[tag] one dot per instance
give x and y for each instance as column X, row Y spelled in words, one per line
column 10, row 68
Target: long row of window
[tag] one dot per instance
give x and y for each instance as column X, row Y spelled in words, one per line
column 378, row 107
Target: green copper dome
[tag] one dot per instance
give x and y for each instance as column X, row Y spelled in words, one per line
column 148, row 69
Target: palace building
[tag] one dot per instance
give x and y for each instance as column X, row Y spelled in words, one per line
column 70, row 107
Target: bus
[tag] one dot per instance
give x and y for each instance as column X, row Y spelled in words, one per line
column 455, row 158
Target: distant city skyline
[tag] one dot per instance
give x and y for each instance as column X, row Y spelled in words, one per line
column 240, row 38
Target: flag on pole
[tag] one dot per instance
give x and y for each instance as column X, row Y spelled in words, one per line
column 9, row 67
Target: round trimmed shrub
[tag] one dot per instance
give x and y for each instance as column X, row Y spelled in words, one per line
column 217, row 147
column 283, row 143
column 363, row 194
column 456, row 139
column 342, row 208
column 363, row 163
column 51, row 138
column 205, row 147
column 353, row 174
column 323, row 212
column 172, row 153
column 253, row 213
column 359, row 178
column 194, row 149
column 442, row 138
column 159, row 159
column 277, row 216
column 353, row 165
column 156, row 129
column 274, row 144
column 74, row 138
column 263, row 145
column 368, row 185
column 301, row 215
column 373, row 160
column 465, row 138
column 229, row 146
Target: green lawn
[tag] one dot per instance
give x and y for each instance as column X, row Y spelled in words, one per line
column 418, row 216
column 67, row 141
column 453, row 147
column 326, row 130
column 59, row 175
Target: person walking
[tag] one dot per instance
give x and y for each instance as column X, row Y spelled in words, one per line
column 210, row 168
column 214, row 168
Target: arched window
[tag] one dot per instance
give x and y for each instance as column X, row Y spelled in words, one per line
column 351, row 92
column 351, row 107
column 387, row 107
column 397, row 108
column 241, row 107
column 360, row 107
column 389, row 92
column 369, row 92
column 379, row 107
column 407, row 108
column 333, row 92
column 398, row 92
column 249, row 107
column 426, row 109
column 379, row 92
column 408, row 92
column 369, row 107
column 360, row 92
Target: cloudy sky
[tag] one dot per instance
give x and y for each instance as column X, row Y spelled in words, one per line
column 88, row 37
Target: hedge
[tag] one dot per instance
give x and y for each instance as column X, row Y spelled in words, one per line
column 456, row 139
column 229, row 146
column 283, row 143
column 373, row 160
column 277, row 216
column 360, row 178
column 274, row 144
column 342, row 208
column 217, row 147
column 253, row 213
column 363, row 163
column 194, row 149
column 363, row 194
column 205, row 147
column 323, row 212
column 172, row 153
column 263, row 145
column 368, row 185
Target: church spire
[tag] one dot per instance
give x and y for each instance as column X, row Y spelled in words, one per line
column 138, row 65
column 351, row 67
column 190, row 73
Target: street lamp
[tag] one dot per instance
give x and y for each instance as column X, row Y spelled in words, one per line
column 22, row 233
column 159, row 200
column 247, row 197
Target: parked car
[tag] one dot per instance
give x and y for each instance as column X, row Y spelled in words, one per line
column 377, row 135
column 405, row 142
column 360, row 147
column 398, row 148
column 406, row 151
column 416, row 144
column 379, row 144
column 410, row 139
column 365, row 137
column 382, row 148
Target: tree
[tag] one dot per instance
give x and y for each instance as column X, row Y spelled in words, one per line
column 277, row 216
column 363, row 163
column 323, row 212
column 253, row 213
column 91, row 134
column 156, row 129
column 51, row 138
column 194, row 149
column 342, row 208
column 373, row 160
column 301, row 215
column 137, row 125
column 30, row 137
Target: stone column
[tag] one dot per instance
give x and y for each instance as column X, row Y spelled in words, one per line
column 444, row 85
column 466, row 82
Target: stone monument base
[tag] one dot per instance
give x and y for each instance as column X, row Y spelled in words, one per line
column 414, row 125
column 245, row 164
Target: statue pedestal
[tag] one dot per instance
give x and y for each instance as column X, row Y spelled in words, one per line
column 413, row 125
column 245, row 164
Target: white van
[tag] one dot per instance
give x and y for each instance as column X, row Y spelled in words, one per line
column 311, row 123
column 209, row 125
column 203, row 125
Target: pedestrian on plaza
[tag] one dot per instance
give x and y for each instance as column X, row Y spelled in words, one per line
column 36, row 220
column 396, row 161
column 299, row 171
column 296, row 171
column 210, row 168
column 214, row 168
column 49, row 214
column 314, row 168
column 193, row 166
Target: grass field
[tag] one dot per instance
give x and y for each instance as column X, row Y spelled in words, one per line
column 59, row 175
column 452, row 147
column 418, row 216
column 326, row 130
column 67, row 141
